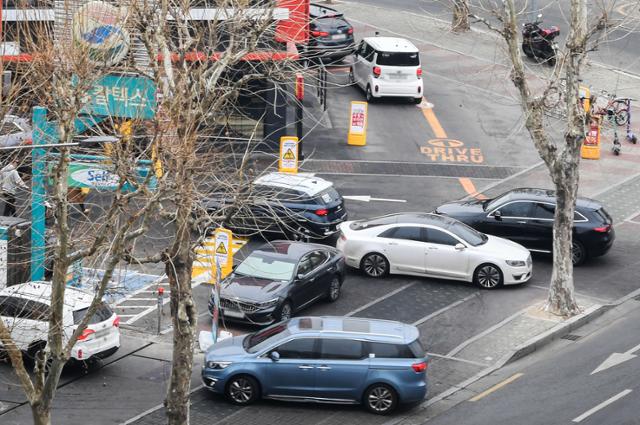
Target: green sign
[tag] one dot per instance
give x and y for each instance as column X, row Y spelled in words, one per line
column 100, row 176
column 122, row 96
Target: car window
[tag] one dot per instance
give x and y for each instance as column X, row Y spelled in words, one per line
column 390, row 351
column 103, row 312
column 368, row 53
column 516, row 209
column 341, row 349
column 8, row 306
column 265, row 266
column 34, row 310
column 440, row 237
column 468, row 234
column 405, row 232
column 326, row 197
column 318, row 258
column 262, row 339
column 544, row 211
column 302, row 348
column 305, row 265
column 398, row 58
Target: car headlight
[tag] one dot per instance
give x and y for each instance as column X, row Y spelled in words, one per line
column 516, row 263
column 269, row 303
column 217, row 365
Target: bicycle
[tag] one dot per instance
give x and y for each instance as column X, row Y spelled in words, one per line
column 615, row 109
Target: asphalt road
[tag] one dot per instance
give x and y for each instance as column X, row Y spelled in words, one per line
column 619, row 48
column 557, row 385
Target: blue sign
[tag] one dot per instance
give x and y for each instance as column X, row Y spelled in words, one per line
column 122, row 96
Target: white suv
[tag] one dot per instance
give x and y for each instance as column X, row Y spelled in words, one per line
column 25, row 310
column 387, row 66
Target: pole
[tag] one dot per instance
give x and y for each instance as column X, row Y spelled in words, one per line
column 38, row 194
column 299, row 130
column 160, row 296
column 216, row 303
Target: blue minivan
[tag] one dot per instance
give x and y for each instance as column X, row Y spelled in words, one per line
column 344, row 360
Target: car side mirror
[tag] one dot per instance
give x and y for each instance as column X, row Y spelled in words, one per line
column 497, row 215
column 274, row 355
column 460, row 247
column 299, row 276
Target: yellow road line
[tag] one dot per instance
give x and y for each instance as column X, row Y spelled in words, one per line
column 433, row 122
column 470, row 188
column 496, row 387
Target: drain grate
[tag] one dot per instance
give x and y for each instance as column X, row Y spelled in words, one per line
column 571, row 337
column 637, row 298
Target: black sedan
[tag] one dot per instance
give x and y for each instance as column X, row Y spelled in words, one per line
column 330, row 35
column 526, row 216
column 279, row 279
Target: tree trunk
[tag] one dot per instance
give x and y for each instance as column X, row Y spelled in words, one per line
column 460, row 21
column 41, row 416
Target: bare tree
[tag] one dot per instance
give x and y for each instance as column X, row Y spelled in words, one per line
column 460, row 19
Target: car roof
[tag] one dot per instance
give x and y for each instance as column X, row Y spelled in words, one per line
column 303, row 182
column 291, row 249
column 406, row 218
column 41, row 291
column 537, row 194
column 391, row 44
column 354, row 328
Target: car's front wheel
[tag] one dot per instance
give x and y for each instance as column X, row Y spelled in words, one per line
column 374, row 265
column 242, row 390
column 285, row 312
column 380, row 399
column 488, row 276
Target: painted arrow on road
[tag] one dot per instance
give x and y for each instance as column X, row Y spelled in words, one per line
column 367, row 198
column 616, row 359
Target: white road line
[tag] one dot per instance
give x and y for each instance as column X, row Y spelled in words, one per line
column 141, row 299
column 377, row 300
column 457, row 359
column 136, row 306
column 154, row 408
column 546, row 288
column 602, row 405
column 620, row 183
column 442, row 310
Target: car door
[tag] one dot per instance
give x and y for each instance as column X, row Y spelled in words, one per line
column 358, row 62
column 303, row 289
column 512, row 222
column 342, row 370
column 364, row 63
column 322, row 272
column 541, row 227
column 443, row 259
column 294, row 373
column 404, row 248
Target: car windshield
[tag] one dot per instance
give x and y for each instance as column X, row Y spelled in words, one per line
column 490, row 204
column 472, row 236
column 103, row 312
column 263, row 265
column 257, row 341
column 398, row 59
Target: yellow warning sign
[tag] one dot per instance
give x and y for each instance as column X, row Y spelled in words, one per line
column 221, row 249
column 288, row 155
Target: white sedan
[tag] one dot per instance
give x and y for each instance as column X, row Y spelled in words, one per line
column 431, row 245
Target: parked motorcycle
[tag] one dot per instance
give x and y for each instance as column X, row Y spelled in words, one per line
column 537, row 42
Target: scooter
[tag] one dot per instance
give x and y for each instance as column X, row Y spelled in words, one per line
column 537, row 42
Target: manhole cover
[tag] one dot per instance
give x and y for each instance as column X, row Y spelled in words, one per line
column 571, row 337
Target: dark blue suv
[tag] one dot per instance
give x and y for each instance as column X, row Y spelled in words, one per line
column 344, row 360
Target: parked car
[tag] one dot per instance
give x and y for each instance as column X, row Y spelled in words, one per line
column 14, row 131
column 344, row 360
column 330, row 34
column 279, row 279
column 423, row 244
column 25, row 310
column 387, row 67
column 526, row 216
column 300, row 206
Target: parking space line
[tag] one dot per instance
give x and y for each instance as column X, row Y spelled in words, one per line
column 457, row 359
column 377, row 300
column 496, row 387
column 442, row 310
column 602, row 405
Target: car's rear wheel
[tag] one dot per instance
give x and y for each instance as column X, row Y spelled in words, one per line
column 578, row 253
column 380, row 399
column 352, row 78
column 488, row 276
column 335, row 287
column 416, row 100
column 369, row 95
column 374, row 265
column 242, row 390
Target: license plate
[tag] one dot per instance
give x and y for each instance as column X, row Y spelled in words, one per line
column 339, row 36
column 233, row 313
column 397, row 76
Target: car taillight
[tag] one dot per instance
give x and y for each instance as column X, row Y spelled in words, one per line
column 377, row 71
column 603, row 229
column 419, row 367
column 86, row 335
column 79, row 354
column 322, row 212
column 116, row 322
column 419, row 73
column 319, row 33
column 350, row 31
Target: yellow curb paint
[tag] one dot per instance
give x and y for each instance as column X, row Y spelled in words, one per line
column 496, row 387
column 470, row 188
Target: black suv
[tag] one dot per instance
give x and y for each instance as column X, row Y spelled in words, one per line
column 300, row 206
column 526, row 216
column 330, row 35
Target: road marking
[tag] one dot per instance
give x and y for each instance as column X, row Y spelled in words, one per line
column 457, row 359
column 602, row 405
column 442, row 310
column 434, row 123
column 377, row 300
column 154, row 408
column 617, row 358
column 470, row 188
column 367, row 198
column 496, row 387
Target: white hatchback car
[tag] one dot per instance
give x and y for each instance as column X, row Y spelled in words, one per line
column 435, row 246
column 387, row 67
column 25, row 309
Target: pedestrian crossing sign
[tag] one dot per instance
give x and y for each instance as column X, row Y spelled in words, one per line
column 288, row 155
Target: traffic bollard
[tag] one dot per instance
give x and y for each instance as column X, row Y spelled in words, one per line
column 160, row 296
